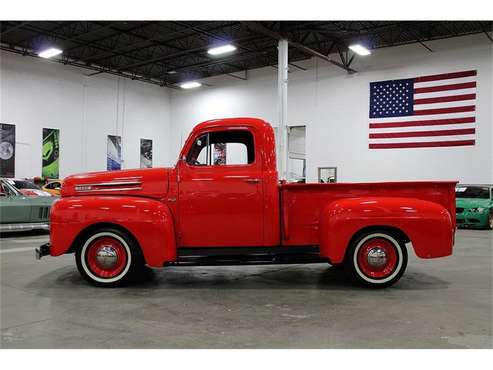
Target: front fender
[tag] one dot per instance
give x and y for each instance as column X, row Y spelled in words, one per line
column 149, row 221
column 428, row 225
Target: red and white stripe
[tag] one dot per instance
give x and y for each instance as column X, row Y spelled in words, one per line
column 444, row 115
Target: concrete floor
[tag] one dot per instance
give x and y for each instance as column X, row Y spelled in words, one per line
column 443, row 303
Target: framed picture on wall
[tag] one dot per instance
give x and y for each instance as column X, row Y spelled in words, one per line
column 7, row 150
column 219, row 153
column 51, row 153
column 145, row 153
column 327, row 174
column 114, row 153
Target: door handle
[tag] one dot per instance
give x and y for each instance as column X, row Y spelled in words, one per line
column 252, row 181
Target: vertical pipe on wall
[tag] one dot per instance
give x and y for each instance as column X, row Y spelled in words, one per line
column 282, row 91
column 117, row 105
column 122, row 118
column 84, row 148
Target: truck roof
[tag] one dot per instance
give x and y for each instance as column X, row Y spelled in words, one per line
column 237, row 121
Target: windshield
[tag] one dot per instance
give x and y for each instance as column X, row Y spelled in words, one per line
column 21, row 184
column 479, row 192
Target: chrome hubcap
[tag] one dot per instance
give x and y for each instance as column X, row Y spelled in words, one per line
column 106, row 257
column 377, row 257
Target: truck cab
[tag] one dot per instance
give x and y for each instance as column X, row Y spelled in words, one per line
column 222, row 203
column 227, row 184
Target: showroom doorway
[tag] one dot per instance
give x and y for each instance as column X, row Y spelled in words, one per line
column 296, row 153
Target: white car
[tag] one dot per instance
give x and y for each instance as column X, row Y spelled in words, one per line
column 27, row 188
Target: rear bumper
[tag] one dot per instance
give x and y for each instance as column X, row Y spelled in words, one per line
column 6, row 228
column 43, row 250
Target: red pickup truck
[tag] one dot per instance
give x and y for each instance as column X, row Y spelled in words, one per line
column 223, row 204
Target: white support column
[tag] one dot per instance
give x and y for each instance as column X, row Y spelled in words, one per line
column 282, row 91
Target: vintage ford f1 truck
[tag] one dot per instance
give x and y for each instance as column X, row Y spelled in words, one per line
column 223, row 204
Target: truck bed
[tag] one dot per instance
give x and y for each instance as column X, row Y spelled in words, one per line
column 302, row 204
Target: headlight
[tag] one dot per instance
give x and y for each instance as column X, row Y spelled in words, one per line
column 477, row 210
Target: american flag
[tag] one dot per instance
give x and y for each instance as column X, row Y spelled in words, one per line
column 427, row 111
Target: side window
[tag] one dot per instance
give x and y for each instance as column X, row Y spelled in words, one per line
column 233, row 147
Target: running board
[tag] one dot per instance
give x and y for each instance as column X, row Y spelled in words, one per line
column 247, row 256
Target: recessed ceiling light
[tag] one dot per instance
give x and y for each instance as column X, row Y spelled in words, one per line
column 190, row 85
column 48, row 53
column 359, row 49
column 171, row 72
column 222, row 49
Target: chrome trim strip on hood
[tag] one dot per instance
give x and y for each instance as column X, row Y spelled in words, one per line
column 112, row 189
column 110, row 186
column 115, row 183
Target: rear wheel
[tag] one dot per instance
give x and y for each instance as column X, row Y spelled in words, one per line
column 376, row 259
column 109, row 257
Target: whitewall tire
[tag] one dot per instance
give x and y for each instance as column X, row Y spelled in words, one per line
column 108, row 257
column 376, row 259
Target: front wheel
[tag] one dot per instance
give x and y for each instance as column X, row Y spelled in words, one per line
column 490, row 221
column 376, row 259
column 108, row 257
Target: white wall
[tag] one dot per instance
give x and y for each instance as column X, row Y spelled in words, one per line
column 334, row 107
column 36, row 93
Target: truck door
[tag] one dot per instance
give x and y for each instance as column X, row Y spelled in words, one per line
column 220, row 191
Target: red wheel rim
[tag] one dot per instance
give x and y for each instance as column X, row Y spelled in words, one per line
column 377, row 258
column 106, row 257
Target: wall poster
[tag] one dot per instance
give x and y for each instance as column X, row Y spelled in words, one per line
column 145, row 153
column 7, row 150
column 220, row 153
column 114, row 153
column 51, row 153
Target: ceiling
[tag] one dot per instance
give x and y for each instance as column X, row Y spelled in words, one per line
column 168, row 52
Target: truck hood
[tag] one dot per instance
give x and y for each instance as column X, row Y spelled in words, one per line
column 148, row 182
column 472, row 202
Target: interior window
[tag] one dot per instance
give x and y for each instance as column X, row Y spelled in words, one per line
column 222, row 148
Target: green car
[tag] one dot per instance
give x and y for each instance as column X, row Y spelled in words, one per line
column 21, row 213
column 474, row 206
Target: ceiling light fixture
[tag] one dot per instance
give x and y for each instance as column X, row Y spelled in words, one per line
column 48, row 53
column 360, row 49
column 222, row 49
column 190, row 85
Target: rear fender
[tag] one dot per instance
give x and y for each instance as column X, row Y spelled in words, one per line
column 149, row 221
column 426, row 224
